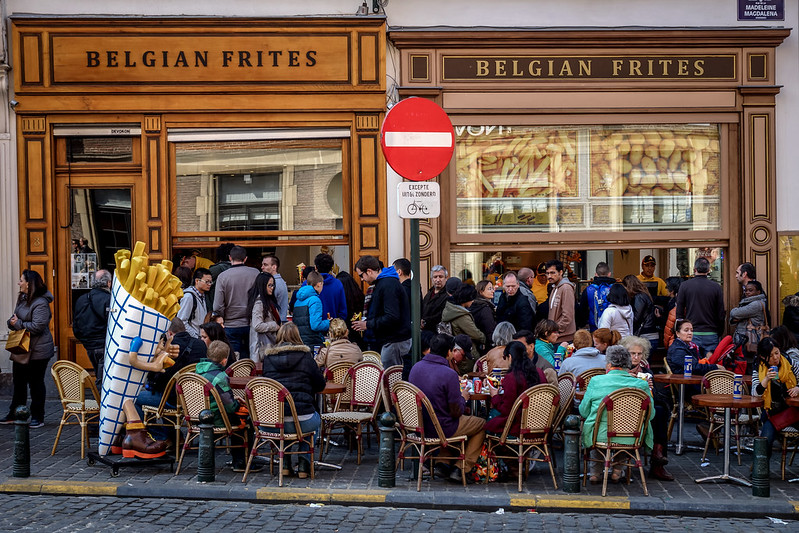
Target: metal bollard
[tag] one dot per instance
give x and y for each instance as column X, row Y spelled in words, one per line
column 22, row 442
column 571, row 454
column 206, row 470
column 386, row 469
column 760, row 469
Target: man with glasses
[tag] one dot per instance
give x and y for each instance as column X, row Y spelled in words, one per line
column 193, row 309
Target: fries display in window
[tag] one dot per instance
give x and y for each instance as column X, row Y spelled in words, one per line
column 152, row 285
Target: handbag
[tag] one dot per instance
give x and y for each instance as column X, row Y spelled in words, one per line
column 755, row 333
column 19, row 343
column 784, row 418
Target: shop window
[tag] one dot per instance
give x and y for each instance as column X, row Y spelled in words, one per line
column 259, row 186
column 514, row 179
column 100, row 149
column 789, row 265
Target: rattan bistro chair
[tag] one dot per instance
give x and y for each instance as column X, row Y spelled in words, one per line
column 410, row 401
column 391, row 375
column 267, row 400
column 790, row 440
column 241, row 368
column 373, row 357
column 721, row 382
column 627, row 413
column 194, row 395
column 170, row 417
column 567, row 391
column 538, row 406
column 72, row 380
column 585, row 378
column 363, row 381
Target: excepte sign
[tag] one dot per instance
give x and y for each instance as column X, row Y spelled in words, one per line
column 761, row 9
column 418, row 199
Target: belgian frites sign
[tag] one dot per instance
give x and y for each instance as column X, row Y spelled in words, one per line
column 529, row 67
column 200, row 58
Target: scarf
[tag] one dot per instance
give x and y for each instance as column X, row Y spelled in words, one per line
column 784, row 375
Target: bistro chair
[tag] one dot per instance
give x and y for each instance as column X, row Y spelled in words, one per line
column 267, row 400
column 538, row 406
column 194, row 395
column 391, row 375
column 566, row 390
column 337, row 373
column 72, row 380
column 790, row 439
column 364, row 382
column 373, row 357
column 170, row 417
column 721, row 382
column 585, row 378
column 627, row 412
column 410, row 401
column 242, row 368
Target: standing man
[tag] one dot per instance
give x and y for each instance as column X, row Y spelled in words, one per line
column 193, row 309
column 656, row 286
column 513, row 306
column 389, row 316
column 334, row 302
column 440, row 384
column 745, row 273
column 435, row 299
column 701, row 301
column 594, row 298
column 526, row 277
column 231, row 298
column 271, row 264
column 561, row 301
column 90, row 321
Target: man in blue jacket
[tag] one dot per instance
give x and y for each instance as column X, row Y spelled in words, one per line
column 334, row 302
column 389, row 315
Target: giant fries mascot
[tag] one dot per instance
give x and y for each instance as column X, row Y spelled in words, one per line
column 144, row 298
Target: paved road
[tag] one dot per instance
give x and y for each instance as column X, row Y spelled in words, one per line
column 61, row 514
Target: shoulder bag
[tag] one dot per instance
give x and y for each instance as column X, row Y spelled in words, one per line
column 19, row 345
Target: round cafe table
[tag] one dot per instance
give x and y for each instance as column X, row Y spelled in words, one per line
column 681, row 380
column 726, row 402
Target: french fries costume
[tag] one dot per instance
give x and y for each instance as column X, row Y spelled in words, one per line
column 144, row 299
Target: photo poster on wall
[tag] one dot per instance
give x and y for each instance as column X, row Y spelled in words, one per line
column 83, row 268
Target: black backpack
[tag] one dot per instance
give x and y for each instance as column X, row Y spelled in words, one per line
column 86, row 323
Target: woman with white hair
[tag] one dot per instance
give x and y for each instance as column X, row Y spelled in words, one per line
column 639, row 348
column 503, row 335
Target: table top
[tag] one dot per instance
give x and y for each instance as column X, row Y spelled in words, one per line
column 726, row 401
column 476, row 396
column 240, row 382
column 333, row 388
column 793, row 402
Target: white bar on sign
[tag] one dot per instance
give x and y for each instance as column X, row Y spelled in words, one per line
column 422, row 139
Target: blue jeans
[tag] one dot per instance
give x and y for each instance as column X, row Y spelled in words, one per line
column 706, row 343
column 153, row 399
column 312, row 424
column 769, row 431
column 239, row 339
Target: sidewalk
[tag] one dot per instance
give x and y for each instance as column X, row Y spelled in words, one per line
column 66, row 473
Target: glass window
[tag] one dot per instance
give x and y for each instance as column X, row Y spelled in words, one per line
column 259, row 185
column 789, row 265
column 100, row 149
column 592, row 178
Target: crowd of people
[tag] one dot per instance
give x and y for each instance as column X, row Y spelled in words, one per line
column 531, row 322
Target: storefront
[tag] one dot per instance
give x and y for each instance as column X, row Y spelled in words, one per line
column 188, row 133
column 603, row 145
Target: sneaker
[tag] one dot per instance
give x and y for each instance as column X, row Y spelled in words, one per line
column 7, row 420
column 36, row 424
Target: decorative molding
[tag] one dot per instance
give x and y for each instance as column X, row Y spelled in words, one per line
column 367, row 122
column 33, row 125
column 152, row 124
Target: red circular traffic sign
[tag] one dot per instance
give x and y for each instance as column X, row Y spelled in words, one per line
column 417, row 139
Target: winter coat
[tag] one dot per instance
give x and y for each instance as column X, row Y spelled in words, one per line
column 432, row 306
column 265, row 327
column 668, row 332
column 389, row 315
column 36, row 319
column 99, row 302
column 294, row 368
column 338, row 351
column 643, row 315
column 463, row 323
column 309, row 318
column 516, row 310
column 751, row 308
column 215, row 373
column 561, row 309
column 334, row 302
column 547, row 350
column 483, row 312
column 581, row 360
column 618, row 318
column 676, row 358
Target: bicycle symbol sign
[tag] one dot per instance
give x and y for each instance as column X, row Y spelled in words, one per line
column 418, row 200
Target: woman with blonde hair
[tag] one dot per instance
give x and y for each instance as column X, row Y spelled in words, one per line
column 340, row 347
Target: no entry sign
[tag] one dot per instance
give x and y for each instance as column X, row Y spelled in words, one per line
column 417, row 139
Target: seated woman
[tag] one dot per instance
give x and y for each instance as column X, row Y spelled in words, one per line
column 496, row 357
column 585, row 356
column 522, row 375
column 639, row 349
column 604, row 337
column 618, row 376
column 546, row 334
column 290, row 362
column 214, row 331
column 773, row 386
column 340, row 348
column 682, row 347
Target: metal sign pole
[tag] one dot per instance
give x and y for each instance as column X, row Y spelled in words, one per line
column 416, row 304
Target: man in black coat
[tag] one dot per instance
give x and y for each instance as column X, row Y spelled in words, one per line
column 513, row 306
column 435, row 299
column 90, row 321
column 389, row 316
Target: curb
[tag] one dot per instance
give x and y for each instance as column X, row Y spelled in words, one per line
column 756, row 508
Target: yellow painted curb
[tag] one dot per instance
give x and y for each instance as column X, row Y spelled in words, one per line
column 61, row 487
column 319, row 496
column 571, row 502
column 795, row 505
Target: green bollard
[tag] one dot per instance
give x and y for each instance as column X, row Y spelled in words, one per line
column 571, row 454
column 386, row 469
column 206, row 453
column 760, row 469
column 22, row 442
